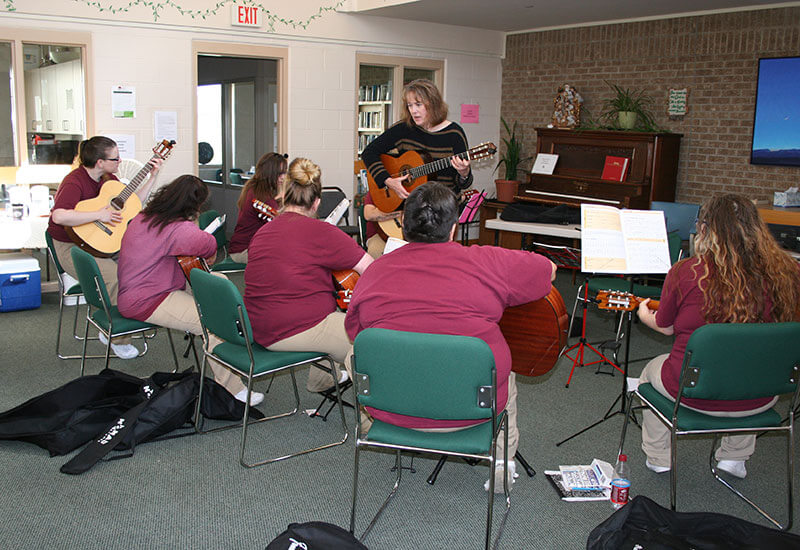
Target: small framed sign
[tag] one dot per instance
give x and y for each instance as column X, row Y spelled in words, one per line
column 678, row 102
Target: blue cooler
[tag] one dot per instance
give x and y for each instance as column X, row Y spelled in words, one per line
column 20, row 282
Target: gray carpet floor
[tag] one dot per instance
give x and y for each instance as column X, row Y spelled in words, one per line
column 192, row 493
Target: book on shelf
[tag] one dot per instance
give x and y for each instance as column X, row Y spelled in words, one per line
column 545, row 163
column 615, row 168
column 623, row 241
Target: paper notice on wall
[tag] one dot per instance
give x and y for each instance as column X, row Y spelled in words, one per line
column 126, row 143
column 123, row 101
column 165, row 125
column 470, row 113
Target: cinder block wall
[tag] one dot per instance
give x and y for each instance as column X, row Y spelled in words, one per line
column 714, row 56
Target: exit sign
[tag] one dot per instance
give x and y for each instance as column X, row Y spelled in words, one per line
column 247, row 16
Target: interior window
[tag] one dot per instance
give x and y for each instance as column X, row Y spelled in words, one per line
column 7, row 122
column 54, row 102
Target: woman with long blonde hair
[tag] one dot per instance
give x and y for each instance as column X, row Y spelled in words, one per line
column 289, row 290
column 738, row 274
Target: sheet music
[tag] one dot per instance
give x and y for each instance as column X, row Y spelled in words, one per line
column 623, row 241
column 215, row 224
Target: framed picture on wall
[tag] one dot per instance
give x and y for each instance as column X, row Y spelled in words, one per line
column 776, row 124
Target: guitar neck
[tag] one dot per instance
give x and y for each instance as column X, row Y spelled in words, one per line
column 436, row 165
column 136, row 181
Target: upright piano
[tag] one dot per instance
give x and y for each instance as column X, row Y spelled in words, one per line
column 651, row 175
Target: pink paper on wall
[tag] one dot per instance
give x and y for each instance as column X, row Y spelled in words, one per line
column 470, row 113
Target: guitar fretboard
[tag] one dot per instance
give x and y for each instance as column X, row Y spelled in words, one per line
column 130, row 189
column 435, row 166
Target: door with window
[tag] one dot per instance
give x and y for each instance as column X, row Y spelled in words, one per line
column 237, row 122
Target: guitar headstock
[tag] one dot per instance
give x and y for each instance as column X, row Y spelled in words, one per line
column 482, row 151
column 164, row 148
column 616, row 300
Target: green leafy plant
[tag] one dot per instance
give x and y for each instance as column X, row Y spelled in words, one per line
column 511, row 157
column 628, row 100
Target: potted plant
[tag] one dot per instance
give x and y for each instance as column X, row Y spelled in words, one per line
column 629, row 109
column 510, row 158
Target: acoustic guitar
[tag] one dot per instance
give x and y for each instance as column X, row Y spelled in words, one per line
column 188, row 263
column 621, row 301
column 102, row 239
column 345, row 282
column 264, row 212
column 536, row 333
column 411, row 163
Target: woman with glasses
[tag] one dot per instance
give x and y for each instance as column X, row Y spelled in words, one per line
column 738, row 274
column 258, row 203
column 99, row 162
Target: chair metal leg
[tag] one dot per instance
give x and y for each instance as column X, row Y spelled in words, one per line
column 756, row 507
column 389, row 497
column 673, row 467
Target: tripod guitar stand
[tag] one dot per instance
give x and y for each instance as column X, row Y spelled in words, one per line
column 582, row 344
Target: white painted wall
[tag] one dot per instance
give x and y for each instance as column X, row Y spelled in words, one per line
column 130, row 49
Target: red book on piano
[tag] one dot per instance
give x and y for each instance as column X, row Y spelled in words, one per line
column 615, row 168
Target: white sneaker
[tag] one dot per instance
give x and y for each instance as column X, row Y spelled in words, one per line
column 656, row 469
column 734, row 467
column 123, row 351
column 255, row 397
column 498, row 476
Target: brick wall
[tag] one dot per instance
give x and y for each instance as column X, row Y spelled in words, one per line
column 714, row 56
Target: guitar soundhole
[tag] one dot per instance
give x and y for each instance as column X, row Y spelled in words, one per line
column 117, row 203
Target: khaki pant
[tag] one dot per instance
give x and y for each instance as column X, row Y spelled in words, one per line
column 178, row 311
column 375, row 246
column 655, row 435
column 327, row 336
column 240, row 257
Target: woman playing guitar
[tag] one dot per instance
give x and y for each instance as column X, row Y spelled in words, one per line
column 289, row 290
column 435, row 285
column 258, row 203
column 424, row 129
column 99, row 160
column 152, row 286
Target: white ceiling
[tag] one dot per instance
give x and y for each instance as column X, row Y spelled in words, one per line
column 519, row 15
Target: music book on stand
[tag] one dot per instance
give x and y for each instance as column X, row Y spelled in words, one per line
column 545, row 163
column 615, row 168
column 471, row 208
column 632, row 242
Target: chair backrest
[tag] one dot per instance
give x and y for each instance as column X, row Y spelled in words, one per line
column 236, row 178
column 206, row 218
column 331, row 196
column 680, row 216
column 52, row 250
column 218, row 301
column 674, row 242
column 87, row 271
column 425, row 375
column 742, row 361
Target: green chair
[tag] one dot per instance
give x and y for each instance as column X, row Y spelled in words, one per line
column 731, row 362
column 223, row 313
column 429, row 376
column 226, row 264
column 104, row 316
column 73, row 294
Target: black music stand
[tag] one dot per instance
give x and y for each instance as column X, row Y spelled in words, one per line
column 623, row 396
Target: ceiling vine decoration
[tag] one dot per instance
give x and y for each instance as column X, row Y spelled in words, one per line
column 158, row 6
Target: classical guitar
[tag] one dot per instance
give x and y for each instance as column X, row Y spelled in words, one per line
column 536, row 332
column 345, row 282
column 264, row 212
column 102, row 239
column 621, row 301
column 411, row 163
column 188, row 263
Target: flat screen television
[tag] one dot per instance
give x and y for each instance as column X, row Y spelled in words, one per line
column 776, row 126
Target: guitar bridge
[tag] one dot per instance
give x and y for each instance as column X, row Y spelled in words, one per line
column 107, row 230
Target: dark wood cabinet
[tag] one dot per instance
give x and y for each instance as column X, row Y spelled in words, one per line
column 651, row 175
